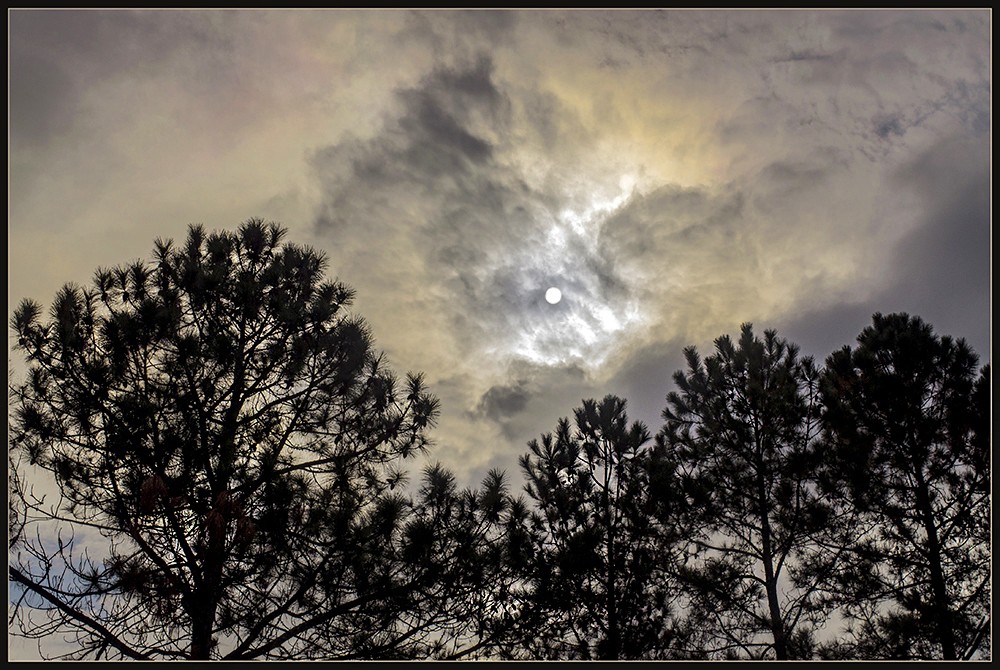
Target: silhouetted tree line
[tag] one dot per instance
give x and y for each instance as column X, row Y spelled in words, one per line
column 225, row 459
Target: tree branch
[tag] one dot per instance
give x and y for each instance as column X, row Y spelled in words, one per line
column 76, row 615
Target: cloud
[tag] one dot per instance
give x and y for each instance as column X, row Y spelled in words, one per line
column 487, row 181
column 646, row 376
column 42, row 99
column 938, row 265
column 504, row 400
column 939, row 268
column 439, row 199
column 674, row 173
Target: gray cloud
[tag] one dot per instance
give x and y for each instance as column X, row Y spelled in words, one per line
column 889, row 124
column 502, row 401
column 459, row 34
column 532, row 404
column 43, row 99
column 675, row 173
column 93, row 46
column 646, row 377
column 939, row 269
column 437, row 198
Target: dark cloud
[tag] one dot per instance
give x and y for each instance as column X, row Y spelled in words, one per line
column 483, row 28
column 805, row 56
column 785, row 177
column 438, row 197
column 651, row 224
column 891, row 124
column 646, row 377
column 440, row 118
column 96, row 45
column 43, row 100
column 436, row 149
column 939, row 270
column 502, row 401
column 820, row 332
column 622, row 40
column 533, row 402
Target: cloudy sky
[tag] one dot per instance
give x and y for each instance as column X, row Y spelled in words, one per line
column 673, row 173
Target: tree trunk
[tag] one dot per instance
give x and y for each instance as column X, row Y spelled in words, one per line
column 205, row 605
column 770, row 579
column 941, row 611
column 201, row 639
column 611, row 591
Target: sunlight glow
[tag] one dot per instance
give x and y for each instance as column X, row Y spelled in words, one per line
column 587, row 329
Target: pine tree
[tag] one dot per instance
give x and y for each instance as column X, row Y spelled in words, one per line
column 598, row 583
column 226, row 448
column 907, row 419
column 743, row 427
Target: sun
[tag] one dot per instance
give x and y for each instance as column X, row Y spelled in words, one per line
column 553, row 295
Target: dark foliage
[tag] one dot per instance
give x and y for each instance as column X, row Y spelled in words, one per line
column 743, row 426
column 206, row 462
column 226, row 445
column 909, row 448
column 599, row 584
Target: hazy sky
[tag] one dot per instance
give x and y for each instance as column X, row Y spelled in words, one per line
column 674, row 173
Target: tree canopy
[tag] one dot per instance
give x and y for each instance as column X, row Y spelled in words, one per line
column 908, row 443
column 743, row 426
column 209, row 460
column 600, row 586
column 221, row 422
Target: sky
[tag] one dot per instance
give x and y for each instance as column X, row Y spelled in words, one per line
column 674, row 173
